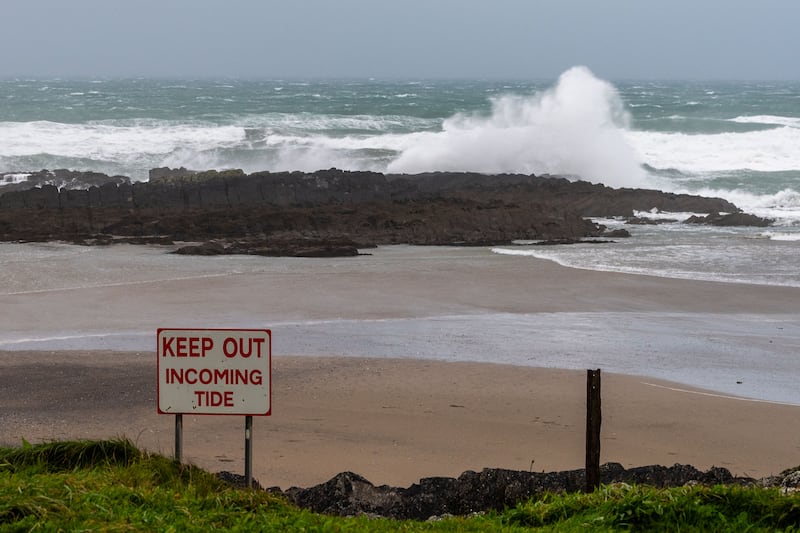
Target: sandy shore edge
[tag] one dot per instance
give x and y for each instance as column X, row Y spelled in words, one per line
column 395, row 421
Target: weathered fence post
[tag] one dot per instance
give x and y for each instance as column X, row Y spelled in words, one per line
column 178, row 438
column 248, row 451
column 593, row 420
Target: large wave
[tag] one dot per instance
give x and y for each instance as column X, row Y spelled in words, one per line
column 579, row 126
column 575, row 128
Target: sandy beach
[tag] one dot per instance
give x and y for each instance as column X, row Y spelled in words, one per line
column 390, row 419
column 396, row 421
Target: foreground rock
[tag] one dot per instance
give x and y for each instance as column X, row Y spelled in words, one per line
column 349, row 494
column 265, row 211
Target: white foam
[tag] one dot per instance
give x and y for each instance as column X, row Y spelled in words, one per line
column 9, row 179
column 772, row 150
column 793, row 122
column 655, row 214
column 783, row 206
column 112, row 142
column 511, row 251
column 575, row 128
column 781, row 236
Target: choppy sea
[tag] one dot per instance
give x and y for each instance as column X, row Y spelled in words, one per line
column 736, row 140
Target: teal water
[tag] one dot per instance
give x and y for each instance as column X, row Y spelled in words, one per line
column 685, row 135
column 739, row 141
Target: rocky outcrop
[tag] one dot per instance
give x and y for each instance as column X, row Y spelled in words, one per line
column 60, row 179
column 349, row 494
column 272, row 248
column 166, row 173
column 182, row 189
column 265, row 210
column 731, row 219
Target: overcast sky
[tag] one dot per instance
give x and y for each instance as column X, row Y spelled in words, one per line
column 520, row 39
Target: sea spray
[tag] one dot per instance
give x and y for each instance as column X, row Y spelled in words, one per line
column 736, row 140
column 575, row 128
column 783, row 207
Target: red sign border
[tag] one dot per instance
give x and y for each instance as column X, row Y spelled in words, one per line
column 239, row 330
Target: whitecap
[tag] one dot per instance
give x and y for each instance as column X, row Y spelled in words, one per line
column 792, row 122
column 771, row 150
column 783, row 207
column 121, row 141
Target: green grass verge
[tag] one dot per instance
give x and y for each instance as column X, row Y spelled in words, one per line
column 113, row 486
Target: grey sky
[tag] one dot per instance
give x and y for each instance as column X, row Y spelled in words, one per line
column 527, row 39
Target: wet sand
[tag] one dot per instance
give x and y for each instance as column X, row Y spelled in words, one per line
column 396, row 421
column 125, row 287
column 390, row 420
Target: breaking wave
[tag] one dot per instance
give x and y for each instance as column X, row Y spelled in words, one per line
column 575, row 128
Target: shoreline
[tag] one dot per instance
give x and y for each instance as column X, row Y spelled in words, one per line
column 440, row 303
column 397, row 365
column 395, row 421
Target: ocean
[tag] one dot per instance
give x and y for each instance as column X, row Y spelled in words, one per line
column 736, row 140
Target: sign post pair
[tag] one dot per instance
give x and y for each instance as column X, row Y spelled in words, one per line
column 215, row 372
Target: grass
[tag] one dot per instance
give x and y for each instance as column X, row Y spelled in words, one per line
column 639, row 508
column 113, row 486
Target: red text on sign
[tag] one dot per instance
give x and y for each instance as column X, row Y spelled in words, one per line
column 233, row 346
column 212, row 398
column 186, row 346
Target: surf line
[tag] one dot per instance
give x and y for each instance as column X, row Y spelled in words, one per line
column 713, row 395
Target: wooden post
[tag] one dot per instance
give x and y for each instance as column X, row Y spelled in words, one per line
column 178, row 437
column 248, row 451
column 593, row 420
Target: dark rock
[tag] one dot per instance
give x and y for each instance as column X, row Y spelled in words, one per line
column 642, row 221
column 61, row 179
column 731, row 219
column 299, row 247
column 328, row 251
column 426, row 209
column 237, row 480
column 207, row 248
column 349, row 494
column 166, row 173
column 555, row 242
column 791, row 482
column 617, row 233
column 295, row 246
